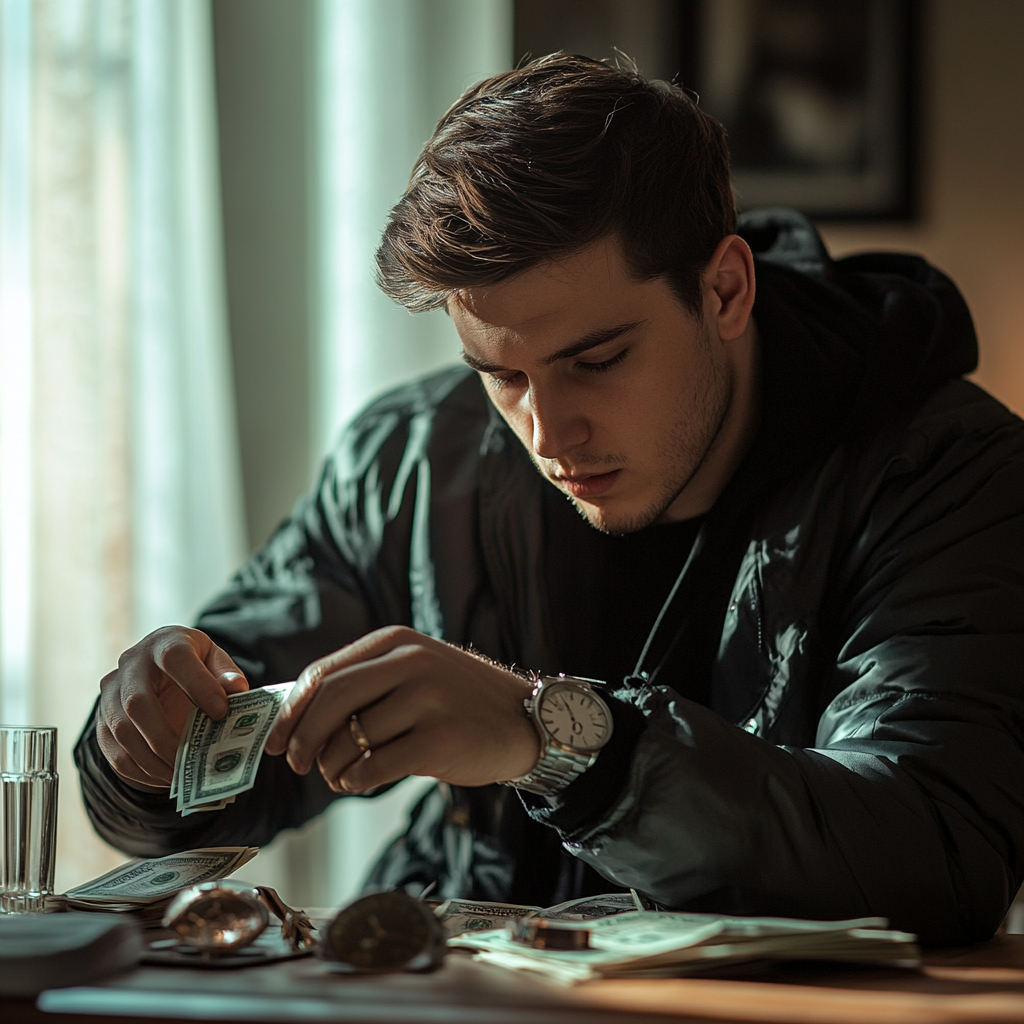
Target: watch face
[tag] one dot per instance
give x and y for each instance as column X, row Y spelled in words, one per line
column 574, row 718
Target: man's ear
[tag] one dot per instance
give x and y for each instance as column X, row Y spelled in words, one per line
column 728, row 281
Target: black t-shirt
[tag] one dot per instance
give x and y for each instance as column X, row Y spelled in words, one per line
column 604, row 596
column 605, row 592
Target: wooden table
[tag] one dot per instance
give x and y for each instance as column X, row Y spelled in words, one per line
column 982, row 983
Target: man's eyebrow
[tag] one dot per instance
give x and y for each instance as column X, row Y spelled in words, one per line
column 588, row 341
column 591, row 340
column 480, row 364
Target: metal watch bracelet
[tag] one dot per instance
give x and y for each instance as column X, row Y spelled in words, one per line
column 555, row 770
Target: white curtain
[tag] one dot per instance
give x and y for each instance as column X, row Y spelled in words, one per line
column 386, row 71
column 120, row 497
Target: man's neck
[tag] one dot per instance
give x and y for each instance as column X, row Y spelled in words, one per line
column 734, row 437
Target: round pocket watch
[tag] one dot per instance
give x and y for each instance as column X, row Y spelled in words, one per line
column 386, row 931
column 574, row 723
column 219, row 917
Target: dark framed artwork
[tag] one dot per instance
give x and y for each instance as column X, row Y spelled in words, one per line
column 818, row 96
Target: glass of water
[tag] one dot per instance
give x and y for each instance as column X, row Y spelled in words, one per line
column 28, row 817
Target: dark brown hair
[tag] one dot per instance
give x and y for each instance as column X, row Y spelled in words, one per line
column 538, row 162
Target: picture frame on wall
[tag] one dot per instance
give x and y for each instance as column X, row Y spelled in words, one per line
column 818, row 96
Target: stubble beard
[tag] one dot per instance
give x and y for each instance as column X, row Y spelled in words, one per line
column 685, row 449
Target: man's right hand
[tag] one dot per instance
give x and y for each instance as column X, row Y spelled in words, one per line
column 144, row 702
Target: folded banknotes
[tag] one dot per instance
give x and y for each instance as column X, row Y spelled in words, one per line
column 217, row 760
column 645, row 944
column 148, row 885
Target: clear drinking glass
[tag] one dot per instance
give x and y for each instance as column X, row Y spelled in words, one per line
column 28, row 817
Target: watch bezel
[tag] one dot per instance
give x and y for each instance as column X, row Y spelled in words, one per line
column 551, row 684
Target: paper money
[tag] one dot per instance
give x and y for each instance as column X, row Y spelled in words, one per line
column 142, row 883
column 217, row 760
column 590, row 907
column 653, row 944
column 459, row 916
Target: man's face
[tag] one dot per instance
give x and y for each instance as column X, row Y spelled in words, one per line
column 616, row 390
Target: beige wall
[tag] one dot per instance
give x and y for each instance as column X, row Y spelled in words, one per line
column 972, row 159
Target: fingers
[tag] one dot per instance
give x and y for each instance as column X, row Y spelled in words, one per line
column 291, row 711
column 376, row 644
column 345, row 692
column 225, row 671
column 145, row 701
column 181, row 657
column 381, row 723
column 404, row 687
column 129, row 754
column 405, row 756
column 142, row 720
column 306, row 688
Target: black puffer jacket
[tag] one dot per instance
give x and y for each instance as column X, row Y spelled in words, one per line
column 854, row 606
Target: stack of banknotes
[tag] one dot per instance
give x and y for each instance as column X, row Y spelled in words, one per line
column 147, row 886
column 217, row 760
column 460, row 916
column 646, row 944
column 624, row 937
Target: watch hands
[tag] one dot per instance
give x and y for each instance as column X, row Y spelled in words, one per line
column 576, row 728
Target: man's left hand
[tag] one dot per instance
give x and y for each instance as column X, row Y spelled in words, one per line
column 425, row 708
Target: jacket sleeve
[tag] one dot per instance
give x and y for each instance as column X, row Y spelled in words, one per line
column 334, row 570
column 908, row 803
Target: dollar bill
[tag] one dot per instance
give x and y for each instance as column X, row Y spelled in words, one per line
column 459, row 916
column 140, row 883
column 590, row 907
column 217, row 760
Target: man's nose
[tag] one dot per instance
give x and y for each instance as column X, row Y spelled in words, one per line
column 557, row 427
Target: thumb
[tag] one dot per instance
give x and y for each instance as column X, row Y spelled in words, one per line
column 233, row 682
column 226, row 672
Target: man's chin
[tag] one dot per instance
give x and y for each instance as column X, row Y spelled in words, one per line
column 616, row 521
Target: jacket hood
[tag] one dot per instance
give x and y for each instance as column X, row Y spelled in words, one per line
column 847, row 343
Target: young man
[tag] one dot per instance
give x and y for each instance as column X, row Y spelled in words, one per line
column 795, row 555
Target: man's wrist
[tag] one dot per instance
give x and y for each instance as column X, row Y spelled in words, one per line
column 587, row 799
column 572, row 723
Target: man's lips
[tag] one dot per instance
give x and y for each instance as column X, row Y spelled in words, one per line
column 588, row 486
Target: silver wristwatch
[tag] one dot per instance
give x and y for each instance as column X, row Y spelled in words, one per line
column 573, row 723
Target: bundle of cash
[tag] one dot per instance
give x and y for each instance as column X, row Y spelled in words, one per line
column 590, row 907
column 644, row 944
column 217, row 760
column 149, row 885
column 459, row 916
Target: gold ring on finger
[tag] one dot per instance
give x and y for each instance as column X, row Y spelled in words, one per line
column 358, row 736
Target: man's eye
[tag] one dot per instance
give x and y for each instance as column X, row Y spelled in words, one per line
column 499, row 382
column 606, row 365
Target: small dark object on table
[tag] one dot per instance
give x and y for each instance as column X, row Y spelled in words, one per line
column 541, row 934
column 384, row 932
